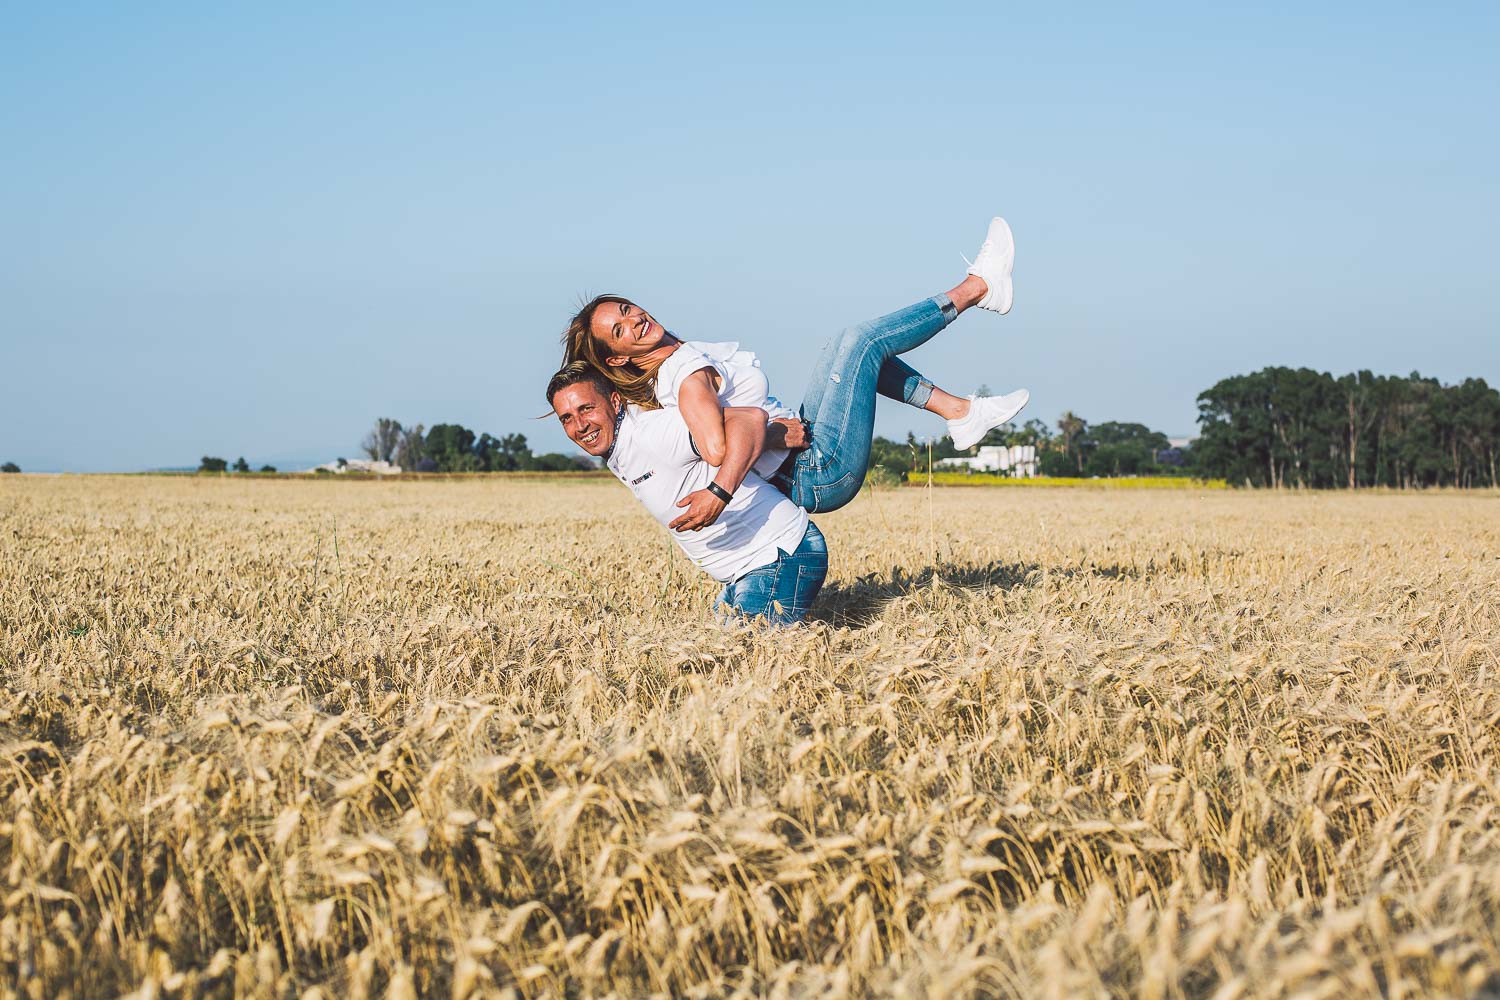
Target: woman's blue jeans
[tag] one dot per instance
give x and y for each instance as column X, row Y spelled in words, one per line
column 783, row 591
column 857, row 365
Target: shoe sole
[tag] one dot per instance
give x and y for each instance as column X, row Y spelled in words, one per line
column 1025, row 398
column 1003, row 307
column 1010, row 298
column 1010, row 242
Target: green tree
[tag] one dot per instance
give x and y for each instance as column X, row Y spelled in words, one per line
column 10, row 467
column 1120, row 449
column 513, row 454
column 1303, row 414
column 1482, row 428
column 1034, row 432
column 241, row 465
column 556, row 462
column 1053, row 462
column 383, row 440
column 210, row 464
column 1072, row 429
column 1235, row 435
column 267, row 468
column 411, row 449
column 1361, row 410
column 895, row 458
column 485, row 448
column 451, row 446
column 1422, row 443
column 1470, row 410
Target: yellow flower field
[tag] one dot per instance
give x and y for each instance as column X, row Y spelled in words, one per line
column 483, row 738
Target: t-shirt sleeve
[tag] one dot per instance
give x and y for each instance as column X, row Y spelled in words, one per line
column 674, row 371
column 669, row 436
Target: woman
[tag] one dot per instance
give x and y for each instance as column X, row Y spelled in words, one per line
column 651, row 367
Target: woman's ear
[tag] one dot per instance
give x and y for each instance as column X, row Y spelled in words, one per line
column 616, row 360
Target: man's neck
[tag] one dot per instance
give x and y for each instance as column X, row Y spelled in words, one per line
column 614, row 440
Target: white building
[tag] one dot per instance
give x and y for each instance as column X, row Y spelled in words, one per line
column 360, row 465
column 1018, row 460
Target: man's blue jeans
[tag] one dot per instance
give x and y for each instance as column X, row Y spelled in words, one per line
column 857, row 365
column 783, row 591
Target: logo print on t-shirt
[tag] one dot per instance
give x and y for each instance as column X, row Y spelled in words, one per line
column 641, row 479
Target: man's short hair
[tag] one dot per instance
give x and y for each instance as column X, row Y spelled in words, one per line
column 575, row 373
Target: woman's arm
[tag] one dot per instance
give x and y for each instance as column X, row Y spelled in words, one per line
column 698, row 401
column 745, row 434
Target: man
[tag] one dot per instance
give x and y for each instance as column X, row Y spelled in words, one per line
column 734, row 525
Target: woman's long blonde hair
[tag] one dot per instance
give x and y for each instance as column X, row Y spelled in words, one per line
column 634, row 383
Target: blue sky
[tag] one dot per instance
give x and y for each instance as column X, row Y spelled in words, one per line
column 252, row 231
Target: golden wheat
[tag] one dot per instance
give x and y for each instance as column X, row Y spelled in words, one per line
column 480, row 738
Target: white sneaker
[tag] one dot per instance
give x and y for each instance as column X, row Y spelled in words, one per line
column 985, row 414
column 993, row 263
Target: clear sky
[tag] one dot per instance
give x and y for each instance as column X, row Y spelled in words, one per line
column 252, row 230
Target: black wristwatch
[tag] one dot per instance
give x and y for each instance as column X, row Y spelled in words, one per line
column 719, row 492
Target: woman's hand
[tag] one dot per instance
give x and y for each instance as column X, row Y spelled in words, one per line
column 784, row 432
column 703, row 509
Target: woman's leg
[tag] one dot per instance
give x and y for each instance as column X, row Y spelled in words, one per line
column 903, row 383
column 896, row 380
column 840, row 400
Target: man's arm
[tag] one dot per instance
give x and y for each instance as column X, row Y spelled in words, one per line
column 744, row 437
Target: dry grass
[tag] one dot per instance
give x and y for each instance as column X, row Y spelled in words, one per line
column 305, row 738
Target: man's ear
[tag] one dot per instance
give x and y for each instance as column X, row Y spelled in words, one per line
column 616, row 360
column 616, row 401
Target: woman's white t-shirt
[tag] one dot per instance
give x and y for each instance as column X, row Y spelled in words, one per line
column 741, row 383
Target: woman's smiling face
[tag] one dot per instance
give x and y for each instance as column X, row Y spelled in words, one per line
column 625, row 332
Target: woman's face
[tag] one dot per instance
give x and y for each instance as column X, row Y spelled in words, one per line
column 625, row 332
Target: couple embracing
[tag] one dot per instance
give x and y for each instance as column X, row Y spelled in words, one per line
column 693, row 429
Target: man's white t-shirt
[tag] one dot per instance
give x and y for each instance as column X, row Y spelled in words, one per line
column 654, row 456
column 741, row 383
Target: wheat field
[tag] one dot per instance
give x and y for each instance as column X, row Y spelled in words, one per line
column 484, row 738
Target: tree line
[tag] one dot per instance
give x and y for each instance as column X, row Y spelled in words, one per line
column 456, row 448
column 208, row 463
column 1298, row 427
column 1277, row 427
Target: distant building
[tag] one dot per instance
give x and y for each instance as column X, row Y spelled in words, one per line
column 359, row 465
column 1175, row 454
column 1018, row 460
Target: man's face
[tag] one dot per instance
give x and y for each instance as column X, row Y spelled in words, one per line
column 587, row 416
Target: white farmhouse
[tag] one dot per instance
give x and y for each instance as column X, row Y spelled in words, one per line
column 1018, row 460
column 359, row 465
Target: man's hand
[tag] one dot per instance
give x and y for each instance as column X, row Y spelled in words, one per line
column 703, row 509
column 787, row 433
